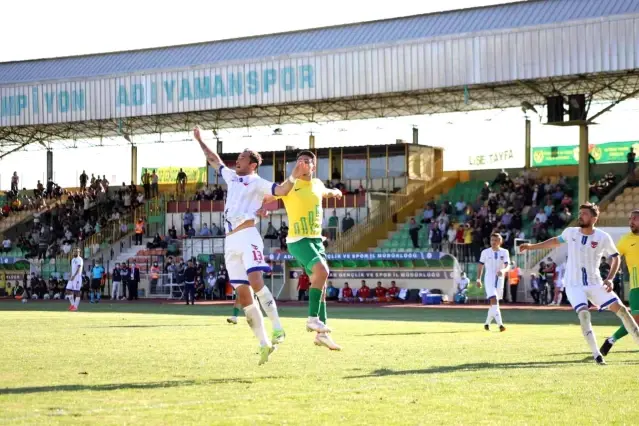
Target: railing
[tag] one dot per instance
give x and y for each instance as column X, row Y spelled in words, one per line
column 382, row 214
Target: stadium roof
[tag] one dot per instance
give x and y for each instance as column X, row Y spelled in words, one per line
column 500, row 17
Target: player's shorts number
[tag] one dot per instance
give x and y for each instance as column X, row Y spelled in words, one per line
column 257, row 256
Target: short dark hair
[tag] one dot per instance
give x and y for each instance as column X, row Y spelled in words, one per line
column 308, row 154
column 497, row 235
column 254, row 156
column 593, row 208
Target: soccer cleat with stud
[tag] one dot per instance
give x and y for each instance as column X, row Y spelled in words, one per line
column 265, row 353
column 324, row 339
column 502, row 328
column 232, row 320
column 605, row 348
column 316, row 325
column 600, row 361
column 486, row 327
column 278, row 337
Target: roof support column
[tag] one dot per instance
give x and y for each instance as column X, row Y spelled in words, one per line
column 49, row 166
column 134, row 164
column 584, row 164
column 311, row 141
column 528, row 140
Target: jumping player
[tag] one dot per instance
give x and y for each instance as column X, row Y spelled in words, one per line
column 629, row 248
column 75, row 282
column 582, row 281
column 243, row 248
column 306, row 243
column 496, row 261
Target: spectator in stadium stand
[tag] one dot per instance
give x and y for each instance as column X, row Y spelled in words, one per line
column 631, row 162
column 154, row 185
column 380, row 293
column 188, row 220
column 534, row 288
column 514, row 278
column 347, row 294
column 181, row 181
column 14, row 182
column 205, row 231
column 283, row 234
column 6, row 245
column 347, row 222
column 125, row 274
column 303, row 284
column 139, row 232
column 333, row 225
column 173, row 232
column 414, row 232
column 364, row 293
column 83, row 180
column 146, row 184
column 222, row 280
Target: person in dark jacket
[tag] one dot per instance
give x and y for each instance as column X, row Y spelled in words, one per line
column 189, row 283
column 134, row 281
column 125, row 275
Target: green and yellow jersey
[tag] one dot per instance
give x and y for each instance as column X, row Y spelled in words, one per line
column 304, row 209
column 628, row 247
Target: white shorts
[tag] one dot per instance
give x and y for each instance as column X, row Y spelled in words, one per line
column 243, row 254
column 494, row 288
column 74, row 285
column 578, row 296
column 559, row 284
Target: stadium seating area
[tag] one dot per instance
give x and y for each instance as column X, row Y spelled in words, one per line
column 555, row 194
column 622, row 204
column 445, row 262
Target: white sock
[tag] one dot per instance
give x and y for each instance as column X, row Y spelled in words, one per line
column 71, row 299
column 255, row 320
column 489, row 318
column 497, row 315
column 589, row 334
column 313, row 319
column 268, row 304
column 77, row 302
column 628, row 322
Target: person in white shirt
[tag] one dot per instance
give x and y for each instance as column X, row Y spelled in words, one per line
column 582, row 279
column 462, row 288
column 75, row 281
column 559, row 283
column 496, row 261
column 243, row 247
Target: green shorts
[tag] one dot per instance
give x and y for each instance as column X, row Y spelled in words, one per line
column 633, row 301
column 308, row 251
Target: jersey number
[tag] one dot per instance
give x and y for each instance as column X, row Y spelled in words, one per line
column 257, row 256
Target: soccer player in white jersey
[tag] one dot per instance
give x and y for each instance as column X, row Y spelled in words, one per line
column 582, row 281
column 75, row 281
column 496, row 261
column 243, row 246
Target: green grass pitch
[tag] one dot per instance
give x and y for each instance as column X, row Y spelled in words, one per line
column 115, row 364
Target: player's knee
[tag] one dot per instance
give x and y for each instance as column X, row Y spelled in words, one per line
column 244, row 296
column 320, row 271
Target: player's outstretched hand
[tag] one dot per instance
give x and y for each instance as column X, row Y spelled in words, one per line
column 301, row 169
column 197, row 133
column 608, row 285
column 524, row 247
column 478, row 283
column 262, row 212
column 337, row 194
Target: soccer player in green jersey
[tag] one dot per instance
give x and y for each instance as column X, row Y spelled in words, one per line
column 305, row 242
column 628, row 247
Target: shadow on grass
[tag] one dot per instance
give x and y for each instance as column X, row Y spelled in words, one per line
column 384, row 372
column 450, row 315
column 123, row 386
column 151, row 326
column 420, row 333
column 612, row 352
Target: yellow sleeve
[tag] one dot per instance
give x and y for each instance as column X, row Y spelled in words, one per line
column 622, row 246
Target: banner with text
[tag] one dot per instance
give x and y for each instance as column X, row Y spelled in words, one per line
column 169, row 174
column 610, row 152
column 279, row 257
column 392, row 274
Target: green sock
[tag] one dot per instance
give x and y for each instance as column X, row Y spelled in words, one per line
column 314, row 299
column 322, row 311
column 236, row 311
column 620, row 333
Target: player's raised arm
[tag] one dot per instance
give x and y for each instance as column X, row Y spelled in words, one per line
column 281, row 190
column 211, row 157
column 548, row 244
column 332, row 193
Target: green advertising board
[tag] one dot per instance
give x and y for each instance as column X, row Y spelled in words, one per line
column 610, row 152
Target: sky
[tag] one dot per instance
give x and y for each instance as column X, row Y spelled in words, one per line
column 43, row 29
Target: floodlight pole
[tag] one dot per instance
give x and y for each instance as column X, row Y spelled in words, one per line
column 528, row 140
